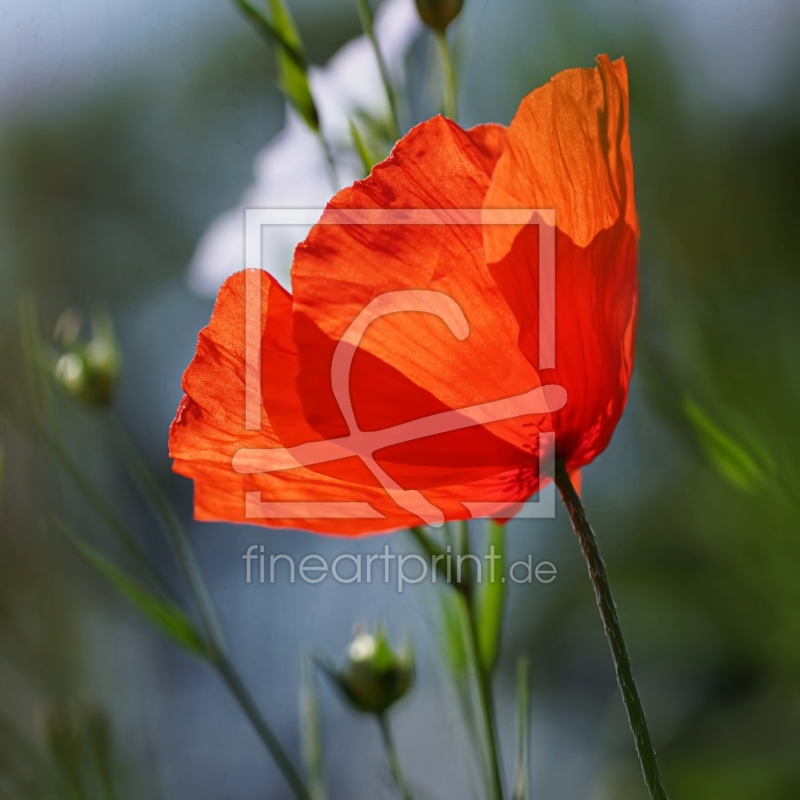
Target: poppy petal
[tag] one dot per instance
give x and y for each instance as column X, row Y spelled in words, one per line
column 411, row 365
column 568, row 149
column 401, row 382
column 209, row 431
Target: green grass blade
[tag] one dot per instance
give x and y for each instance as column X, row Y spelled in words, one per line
column 311, row 730
column 263, row 25
column 491, row 599
column 292, row 73
column 164, row 615
column 279, row 29
column 177, row 537
column 731, row 458
column 367, row 159
column 365, row 14
column 461, row 660
column 522, row 778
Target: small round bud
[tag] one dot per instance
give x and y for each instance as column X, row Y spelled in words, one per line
column 438, row 14
column 88, row 370
column 374, row 677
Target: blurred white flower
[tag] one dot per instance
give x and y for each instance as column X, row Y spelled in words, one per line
column 291, row 172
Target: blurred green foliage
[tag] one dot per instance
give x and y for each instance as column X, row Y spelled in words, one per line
column 54, row 743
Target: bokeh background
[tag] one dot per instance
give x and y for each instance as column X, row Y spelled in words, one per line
column 125, row 127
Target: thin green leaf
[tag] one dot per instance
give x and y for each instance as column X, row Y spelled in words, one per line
column 294, row 84
column 460, row 651
column 292, row 73
column 164, row 615
column 434, row 552
column 462, row 662
column 283, row 23
column 177, row 537
column 279, row 29
column 263, row 729
column 274, row 36
column 455, row 643
column 522, row 778
column 365, row 14
column 44, row 422
column 731, row 458
column 491, row 599
column 216, row 650
column 96, row 500
column 368, row 161
column 2, row 473
column 311, row 730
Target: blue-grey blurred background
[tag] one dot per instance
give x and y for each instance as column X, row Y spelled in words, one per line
column 126, row 127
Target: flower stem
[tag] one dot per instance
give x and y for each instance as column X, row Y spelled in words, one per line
column 487, row 706
column 450, row 109
column 391, row 754
column 619, row 651
column 522, row 789
column 330, row 163
column 365, row 12
column 436, row 554
column 467, row 588
column 231, row 677
column 96, row 500
column 172, row 528
column 179, row 540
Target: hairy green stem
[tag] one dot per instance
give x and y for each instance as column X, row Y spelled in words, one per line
column 619, row 651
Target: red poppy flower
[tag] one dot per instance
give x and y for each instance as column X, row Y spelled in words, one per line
column 409, row 376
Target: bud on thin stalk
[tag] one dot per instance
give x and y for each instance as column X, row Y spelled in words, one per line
column 88, row 370
column 438, row 14
column 374, row 677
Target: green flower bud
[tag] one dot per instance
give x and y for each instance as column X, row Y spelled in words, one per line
column 374, row 677
column 438, row 14
column 89, row 370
